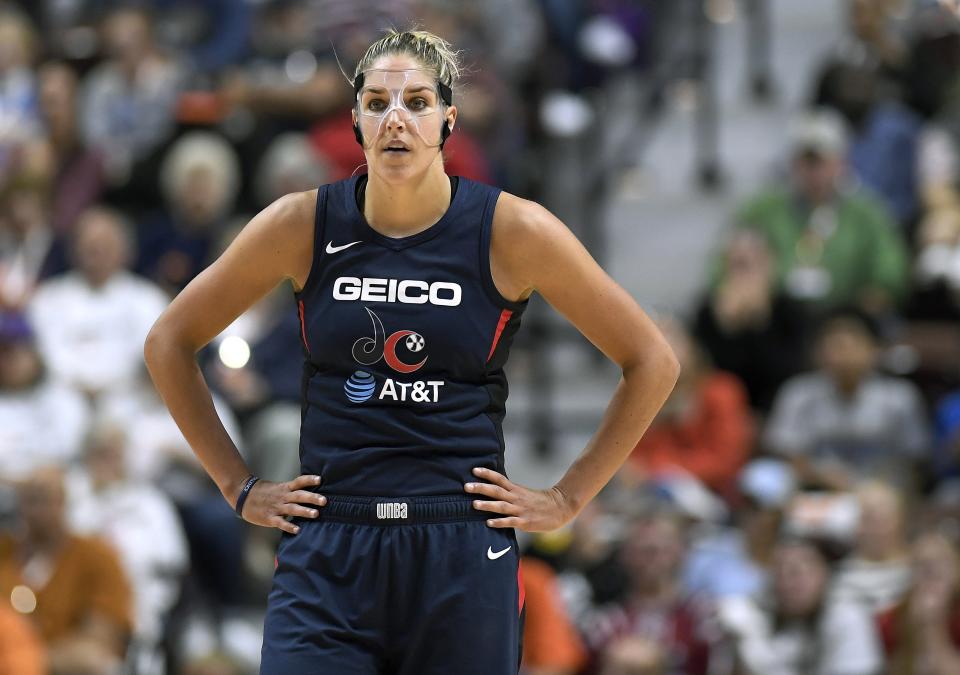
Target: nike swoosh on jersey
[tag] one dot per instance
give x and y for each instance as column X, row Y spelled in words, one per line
column 494, row 556
column 334, row 249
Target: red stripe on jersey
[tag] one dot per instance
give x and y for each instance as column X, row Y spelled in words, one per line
column 303, row 327
column 504, row 317
column 523, row 593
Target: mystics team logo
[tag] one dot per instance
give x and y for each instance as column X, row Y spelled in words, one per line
column 367, row 350
column 400, row 352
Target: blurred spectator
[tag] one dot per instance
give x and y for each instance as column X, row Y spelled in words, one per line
column 658, row 628
column 922, row 634
column 877, row 573
column 18, row 87
column 78, row 176
column 845, row 419
column 21, row 652
column 833, row 245
column 29, row 249
column 551, row 645
column 41, row 421
column 73, row 587
column 129, row 99
column 705, row 427
column 796, row 631
column 748, row 326
column 875, row 39
column 885, row 135
column 141, row 524
column 214, row 34
column 735, row 561
column 91, row 322
column 200, row 177
column 288, row 165
column 946, row 459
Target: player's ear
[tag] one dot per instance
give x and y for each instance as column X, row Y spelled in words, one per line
column 451, row 117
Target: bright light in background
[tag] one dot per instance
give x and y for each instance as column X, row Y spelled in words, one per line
column 720, row 11
column 234, row 352
column 300, row 66
column 952, row 5
column 23, row 599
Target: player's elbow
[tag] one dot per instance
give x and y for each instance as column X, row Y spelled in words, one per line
column 656, row 367
column 162, row 342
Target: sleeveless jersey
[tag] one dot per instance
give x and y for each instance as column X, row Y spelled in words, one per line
column 405, row 340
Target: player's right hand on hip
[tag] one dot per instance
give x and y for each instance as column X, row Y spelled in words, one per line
column 270, row 503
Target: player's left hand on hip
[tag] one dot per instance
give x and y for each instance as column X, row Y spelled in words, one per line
column 520, row 507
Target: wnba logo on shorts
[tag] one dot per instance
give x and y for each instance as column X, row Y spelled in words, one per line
column 391, row 510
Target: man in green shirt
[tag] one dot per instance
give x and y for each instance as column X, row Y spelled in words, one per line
column 834, row 243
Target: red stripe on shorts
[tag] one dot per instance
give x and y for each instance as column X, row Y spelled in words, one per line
column 504, row 317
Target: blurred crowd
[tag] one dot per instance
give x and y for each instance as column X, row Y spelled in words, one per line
column 794, row 508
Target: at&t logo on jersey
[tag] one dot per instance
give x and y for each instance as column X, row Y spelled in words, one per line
column 366, row 351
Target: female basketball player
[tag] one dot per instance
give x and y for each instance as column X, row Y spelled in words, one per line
column 410, row 285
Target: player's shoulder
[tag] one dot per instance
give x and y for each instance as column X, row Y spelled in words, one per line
column 291, row 217
column 523, row 220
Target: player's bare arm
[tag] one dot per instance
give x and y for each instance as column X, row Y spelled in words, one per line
column 533, row 250
column 276, row 246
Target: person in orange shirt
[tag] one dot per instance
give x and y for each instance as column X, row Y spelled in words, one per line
column 72, row 587
column 20, row 650
column 551, row 645
column 705, row 428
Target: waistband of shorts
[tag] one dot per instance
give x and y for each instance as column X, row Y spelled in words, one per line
column 401, row 510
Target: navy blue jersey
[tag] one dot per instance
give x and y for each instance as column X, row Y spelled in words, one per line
column 405, row 341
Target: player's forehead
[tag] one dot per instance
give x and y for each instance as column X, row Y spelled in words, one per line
column 394, row 79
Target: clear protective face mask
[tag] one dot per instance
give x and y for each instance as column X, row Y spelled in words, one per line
column 411, row 97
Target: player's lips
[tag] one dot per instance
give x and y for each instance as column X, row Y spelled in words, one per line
column 396, row 146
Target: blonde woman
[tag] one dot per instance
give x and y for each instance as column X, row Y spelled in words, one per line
column 410, row 286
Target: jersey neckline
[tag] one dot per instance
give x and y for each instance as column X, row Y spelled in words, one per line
column 396, row 243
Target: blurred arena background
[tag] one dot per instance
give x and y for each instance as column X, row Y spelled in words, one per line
column 777, row 181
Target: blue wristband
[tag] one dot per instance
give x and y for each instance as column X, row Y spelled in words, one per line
column 244, row 493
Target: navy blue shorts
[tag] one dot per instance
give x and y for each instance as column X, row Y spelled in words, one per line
column 398, row 586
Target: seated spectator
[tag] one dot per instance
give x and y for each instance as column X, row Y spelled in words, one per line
column 21, row 652
column 946, row 459
column 72, row 587
column 129, row 99
column 79, row 174
column 877, row 572
column 142, row 526
column 735, row 561
column 551, row 645
column 704, row 428
column 200, row 177
column 834, row 245
column 29, row 248
column 795, row 630
column 41, row 421
column 921, row 635
column 658, row 628
column 18, row 86
column 884, row 134
column 91, row 322
column 845, row 419
column 748, row 326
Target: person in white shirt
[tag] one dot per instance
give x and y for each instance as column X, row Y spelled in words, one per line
column 41, row 422
column 91, row 322
column 141, row 524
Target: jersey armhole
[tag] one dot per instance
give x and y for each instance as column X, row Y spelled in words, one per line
column 486, row 236
column 319, row 220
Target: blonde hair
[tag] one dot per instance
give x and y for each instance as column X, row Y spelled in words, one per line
column 431, row 50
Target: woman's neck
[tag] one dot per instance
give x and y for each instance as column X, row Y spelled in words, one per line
column 404, row 210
